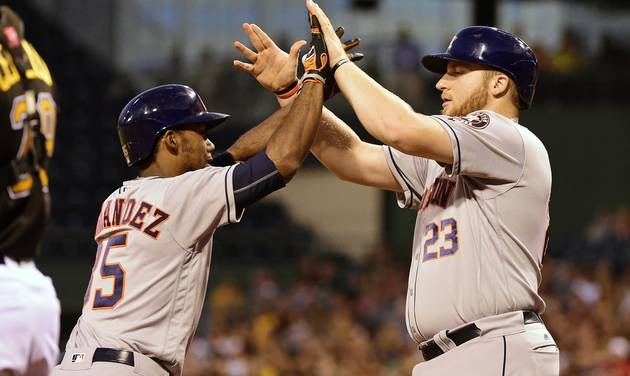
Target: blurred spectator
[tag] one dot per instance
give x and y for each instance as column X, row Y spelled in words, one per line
column 174, row 72
column 612, row 54
column 204, row 75
column 600, row 227
column 609, row 226
column 569, row 58
column 407, row 78
column 545, row 63
column 621, row 224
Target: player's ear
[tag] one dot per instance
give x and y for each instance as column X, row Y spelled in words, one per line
column 500, row 85
column 171, row 141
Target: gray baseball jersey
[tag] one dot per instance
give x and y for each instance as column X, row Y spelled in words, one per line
column 481, row 227
column 149, row 279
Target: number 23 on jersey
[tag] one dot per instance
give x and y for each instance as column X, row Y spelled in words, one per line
column 440, row 240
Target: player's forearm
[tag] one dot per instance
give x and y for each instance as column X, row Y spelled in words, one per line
column 289, row 144
column 255, row 139
column 383, row 114
column 334, row 142
column 339, row 148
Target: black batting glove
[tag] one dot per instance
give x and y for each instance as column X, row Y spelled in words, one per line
column 330, row 85
column 315, row 62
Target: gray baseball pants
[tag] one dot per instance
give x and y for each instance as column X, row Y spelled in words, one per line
column 78, row 362
column 506, row 347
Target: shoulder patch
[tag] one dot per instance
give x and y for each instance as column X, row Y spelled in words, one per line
column 478, row 120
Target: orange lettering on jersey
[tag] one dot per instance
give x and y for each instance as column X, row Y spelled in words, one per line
column 131, row 203
column 438, row 193
column 425, row 198
column 118, row 208
column 160, row 216
column 138, row 218
column 106, row 222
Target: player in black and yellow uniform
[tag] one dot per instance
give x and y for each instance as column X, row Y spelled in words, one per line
column 29, row 309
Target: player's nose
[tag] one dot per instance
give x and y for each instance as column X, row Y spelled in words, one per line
column 209, row 146
column 441, row 84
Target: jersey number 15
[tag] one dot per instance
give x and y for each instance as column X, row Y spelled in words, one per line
column 107, row 271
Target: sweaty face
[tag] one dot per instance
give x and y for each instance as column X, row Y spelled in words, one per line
column 196, row 148
column 464, row 89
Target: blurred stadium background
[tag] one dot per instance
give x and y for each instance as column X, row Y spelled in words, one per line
column 312, row 282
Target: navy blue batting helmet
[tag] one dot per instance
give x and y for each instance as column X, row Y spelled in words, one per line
column 495, row 48
column 152, row 112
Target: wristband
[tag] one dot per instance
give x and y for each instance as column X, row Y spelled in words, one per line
column 289, row 91
column 338, row 64
column 313, row 77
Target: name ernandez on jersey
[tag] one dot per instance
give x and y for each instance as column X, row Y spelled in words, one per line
column 140, row 215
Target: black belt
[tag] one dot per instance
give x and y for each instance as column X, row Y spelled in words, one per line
column 431, row 350
column 103, row 354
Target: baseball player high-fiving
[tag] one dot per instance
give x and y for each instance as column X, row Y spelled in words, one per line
column 154, row 233
column 479, row 181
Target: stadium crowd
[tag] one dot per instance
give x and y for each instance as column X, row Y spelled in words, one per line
column 336, row 317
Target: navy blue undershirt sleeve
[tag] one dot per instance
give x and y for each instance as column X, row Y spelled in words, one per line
column 254, row 179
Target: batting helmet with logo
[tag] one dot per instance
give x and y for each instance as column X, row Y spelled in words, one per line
column 152, row 112
column 495, row 48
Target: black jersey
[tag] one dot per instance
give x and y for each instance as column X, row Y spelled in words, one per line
column 24, row 197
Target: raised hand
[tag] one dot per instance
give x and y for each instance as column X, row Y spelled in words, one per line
column 315, row 61
column 336, row 50
column 347, row 46
column 273, row 68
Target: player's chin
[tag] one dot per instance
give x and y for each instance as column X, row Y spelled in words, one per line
column 447, row 107
column 451, row 110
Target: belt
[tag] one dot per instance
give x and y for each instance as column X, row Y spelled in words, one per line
column 103, row 354
column 431, row 350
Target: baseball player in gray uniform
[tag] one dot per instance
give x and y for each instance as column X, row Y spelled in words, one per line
column 479, row 181
column 154, row 233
